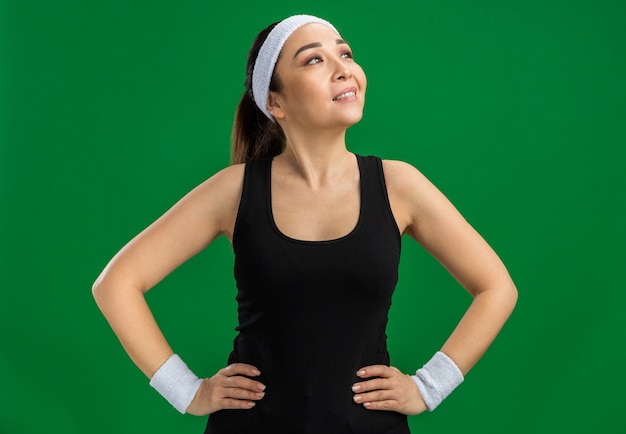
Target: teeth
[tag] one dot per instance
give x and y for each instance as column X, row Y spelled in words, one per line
column 344, row 95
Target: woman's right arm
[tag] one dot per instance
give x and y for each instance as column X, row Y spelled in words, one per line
column 188, row 227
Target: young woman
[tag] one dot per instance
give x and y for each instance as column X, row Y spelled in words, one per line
column 316, row 233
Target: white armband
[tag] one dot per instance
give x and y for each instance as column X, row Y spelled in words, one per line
column 437, row 379
column 176, row 383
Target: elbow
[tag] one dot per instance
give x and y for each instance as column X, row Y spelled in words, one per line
column 102, row 288
column 514, row 293
column 509, row 295
column 109, row 289
column 502, row 294
column 98, row 291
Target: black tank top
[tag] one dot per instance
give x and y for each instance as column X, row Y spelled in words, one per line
column 311, row 313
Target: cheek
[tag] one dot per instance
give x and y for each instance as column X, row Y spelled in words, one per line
column 310, row 87
column 305, row 92
column 297, row 92
column 359, row 74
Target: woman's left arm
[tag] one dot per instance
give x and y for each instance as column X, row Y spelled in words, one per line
column 425, row 214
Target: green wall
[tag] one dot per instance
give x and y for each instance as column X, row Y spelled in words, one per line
column 112, row 110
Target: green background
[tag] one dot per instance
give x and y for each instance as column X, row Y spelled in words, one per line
column 112, row 110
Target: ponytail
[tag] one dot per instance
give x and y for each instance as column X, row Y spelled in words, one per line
column 254, row 135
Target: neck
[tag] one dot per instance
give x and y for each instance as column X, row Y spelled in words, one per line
column 316, row 158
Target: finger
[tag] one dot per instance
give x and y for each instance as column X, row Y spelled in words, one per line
column 375, row 396
column 240, row 369
column 233, row 404
column 243, row 383
column 388, row 405
column 241, row 394
column 375, row 371
column 375, row 384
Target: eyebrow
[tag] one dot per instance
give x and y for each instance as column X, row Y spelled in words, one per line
column 316, row 45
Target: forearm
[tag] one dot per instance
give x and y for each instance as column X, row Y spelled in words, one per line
column 127, row 312
column 480, row 325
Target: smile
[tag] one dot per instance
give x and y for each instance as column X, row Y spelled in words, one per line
column 344, row 95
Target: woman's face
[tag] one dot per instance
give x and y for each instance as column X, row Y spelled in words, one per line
column 322, row 85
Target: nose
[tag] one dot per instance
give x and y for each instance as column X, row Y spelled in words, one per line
column 342, row 70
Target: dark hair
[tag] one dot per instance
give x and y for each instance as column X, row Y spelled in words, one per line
column 255, row 136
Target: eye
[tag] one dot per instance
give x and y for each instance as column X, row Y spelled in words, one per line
column 314, row 60
column 346, row 55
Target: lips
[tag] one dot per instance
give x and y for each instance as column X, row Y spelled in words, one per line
column 344, row 94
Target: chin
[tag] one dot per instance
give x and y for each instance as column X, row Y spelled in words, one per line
column 348, row 121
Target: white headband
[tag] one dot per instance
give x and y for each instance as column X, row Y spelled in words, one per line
column 268, row 55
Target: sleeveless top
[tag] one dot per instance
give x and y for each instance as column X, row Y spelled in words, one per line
column 311, row 313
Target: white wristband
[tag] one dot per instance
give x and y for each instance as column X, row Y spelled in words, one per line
column 437, row 379
column 176, row 383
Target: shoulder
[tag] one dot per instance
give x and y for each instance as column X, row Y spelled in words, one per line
column 229, row 174
column 217, row 198
column 223, row 189
column 403, row 178
column 415, row 200
column 225, row 182
column 397, row 167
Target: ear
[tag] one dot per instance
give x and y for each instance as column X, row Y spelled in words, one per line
column 274, row 106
